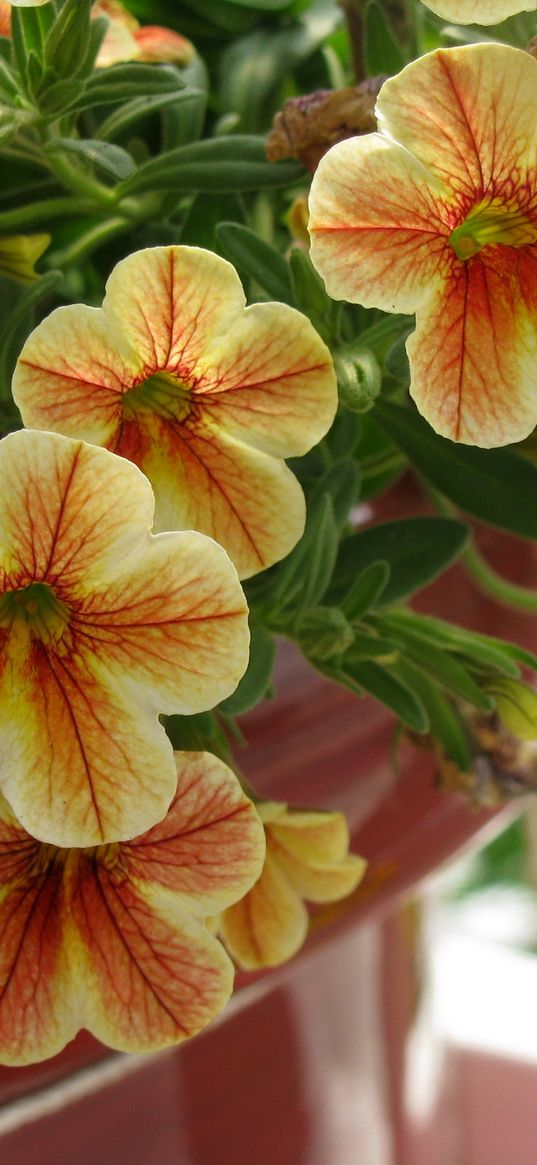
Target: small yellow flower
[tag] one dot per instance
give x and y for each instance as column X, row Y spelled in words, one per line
column 19, row 254
column 307, row 857
column 205, row 395
column 113, row 938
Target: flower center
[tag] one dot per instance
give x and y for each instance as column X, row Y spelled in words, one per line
column 492, row 222
column 38, row 606
column 163, row 393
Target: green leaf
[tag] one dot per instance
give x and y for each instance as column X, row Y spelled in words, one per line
column 308, row 288
column 227, row 164
column 322, row 558
column 10, row 335
column 496, row 485
column 256, row 680
column 444, row 720
column 480, row 651
column 104, row 156
column 256, row 259
column 256, row 66
column 366, row 590
column 382, row 53
column 342, row 482
column 56, row 98
column 440, row 665
column 204, row 214
column 371, row 677
column 68, row 42
column 416, row 550
column 124, row 82
column 141, row 107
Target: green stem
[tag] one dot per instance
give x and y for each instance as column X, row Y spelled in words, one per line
column 353, row 10
column 38, row 212
column 497, row 587
column 88, row 242
column 79, row 182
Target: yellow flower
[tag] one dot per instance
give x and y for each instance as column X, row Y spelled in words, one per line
column 102, row 627
column 113, row 938
column 437, row 215
column 307, row 857
column 479, row 11
column 207, row 397
column 19, row 254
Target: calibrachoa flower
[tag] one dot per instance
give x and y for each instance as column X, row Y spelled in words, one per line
column 204, row 395
column 102, row 627
column 127, row 40
column 479, row 11
column 19, row 254
column 437, row 215
column 307, row 857
column 113, row 938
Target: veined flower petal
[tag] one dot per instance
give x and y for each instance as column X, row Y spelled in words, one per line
column 307, row 857
column 386, row 245
column 103, row 626
column 269, row 925
column 199, row 392
column 211, row 843
column 207, row 481
column 476, row 381
column 113, row 938
column 468, row 114
column 479, row 11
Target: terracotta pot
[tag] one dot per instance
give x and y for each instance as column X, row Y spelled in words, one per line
column 298, row 1071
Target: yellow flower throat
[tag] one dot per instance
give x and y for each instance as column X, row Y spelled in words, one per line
column 492, row 222
column 38, row 607
column 163, row 393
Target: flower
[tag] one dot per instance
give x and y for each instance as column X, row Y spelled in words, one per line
column 205, row 396
column 479, row 11
column 102, row 627
column 113, row 938
column 126, row 40
column 437, row 214
column 307, row 857
column 20, row 253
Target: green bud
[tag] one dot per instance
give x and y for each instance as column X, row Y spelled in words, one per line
column 324, row 633
column 516, row 705
column 359, row 380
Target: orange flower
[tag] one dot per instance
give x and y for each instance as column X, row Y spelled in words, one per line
column 205, row 396
column 102, row 627
column 126, row 40
column 437, row 215
column 113, row 939
column 307, row 857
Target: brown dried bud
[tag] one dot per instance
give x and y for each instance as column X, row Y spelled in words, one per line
column 308, row 126
column 503, row 766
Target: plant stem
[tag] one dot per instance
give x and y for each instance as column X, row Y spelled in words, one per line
column 79, row 182
column 353, row 10
column 38, row 212
column 497, row 587
column 88, row 242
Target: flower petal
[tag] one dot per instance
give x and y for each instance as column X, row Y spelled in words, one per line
column 36, row 1013
column 378, row 227
column 70, row 512
column 270, row 381
column 474, row 351
column 80, row 763
column 171, row 302
column 72, row 374
column 268, row 925
column 173, row 629
column 203, row 480
column 468, row 114
column 210, row 847
column 148, row 977
column 313, row 835
column 479, row 11
column 316, row 881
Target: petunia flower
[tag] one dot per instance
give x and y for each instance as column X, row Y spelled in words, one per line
column 127, row 40
column 113, row 938
column 437, row 215
column 205, row 396
column 307, row 857
column 479, row 11
column 102, row 627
